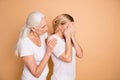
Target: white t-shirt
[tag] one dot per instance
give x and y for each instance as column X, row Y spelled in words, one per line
column 62, row 70
column 29, row 48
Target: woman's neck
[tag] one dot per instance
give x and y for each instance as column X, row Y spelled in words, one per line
column 35, row 38
column 59, row 34
column 34, row 35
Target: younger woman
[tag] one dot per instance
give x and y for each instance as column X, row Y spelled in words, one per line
column 66, row 49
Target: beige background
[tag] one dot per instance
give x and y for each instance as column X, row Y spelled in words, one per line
column 97, row 31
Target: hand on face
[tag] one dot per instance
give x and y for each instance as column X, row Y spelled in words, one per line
column 72, row 29
column 69, row 31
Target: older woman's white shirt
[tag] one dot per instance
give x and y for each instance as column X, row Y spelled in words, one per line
column 62, row 70
column 29, row 48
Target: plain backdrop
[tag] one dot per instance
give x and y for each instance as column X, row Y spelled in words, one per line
column 97, row 24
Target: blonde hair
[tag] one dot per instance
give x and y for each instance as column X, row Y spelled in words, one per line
column 61, row 20
column 33, row 20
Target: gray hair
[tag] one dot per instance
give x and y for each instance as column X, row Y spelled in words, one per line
column 33, row 20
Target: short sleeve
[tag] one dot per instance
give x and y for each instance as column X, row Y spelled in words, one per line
column 26, row 48
column 59, row 47
column 46, row 35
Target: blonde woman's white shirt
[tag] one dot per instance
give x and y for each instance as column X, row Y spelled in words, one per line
column 62, row 70
column 29, row 48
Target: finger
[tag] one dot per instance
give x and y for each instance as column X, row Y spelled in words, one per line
column 52, row 39
column 69, row 29
column 65, row 31
column 54, row 42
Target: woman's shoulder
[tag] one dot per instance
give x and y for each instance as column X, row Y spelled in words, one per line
column 51, row 36
column 45, row 35
column 25, row 41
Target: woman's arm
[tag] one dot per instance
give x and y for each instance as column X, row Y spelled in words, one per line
column 35, row 69
column 67, row 55
column 79, row 50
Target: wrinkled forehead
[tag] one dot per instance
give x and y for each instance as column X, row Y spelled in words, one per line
column 43, row 22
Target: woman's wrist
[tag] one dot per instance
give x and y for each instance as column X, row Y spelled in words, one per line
column 68, row 38
column 49, row 52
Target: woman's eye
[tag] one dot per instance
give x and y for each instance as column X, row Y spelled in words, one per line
column 66, row 26
column 43, row 26
column 62, row 23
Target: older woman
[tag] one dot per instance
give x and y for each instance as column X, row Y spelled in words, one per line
column 33, row 49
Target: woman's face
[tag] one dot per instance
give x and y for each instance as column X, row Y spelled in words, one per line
column 64, row 26
column 42, row 28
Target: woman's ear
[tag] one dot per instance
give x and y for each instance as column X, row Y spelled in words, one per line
column 33, row 29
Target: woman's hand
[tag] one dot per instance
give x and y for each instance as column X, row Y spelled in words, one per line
column 67, row 32
column 50, row 45
column 72, row 29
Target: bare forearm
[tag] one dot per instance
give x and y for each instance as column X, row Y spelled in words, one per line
column 78, row 48
column 68, row 50
column 42, row 64
column 30, row 62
